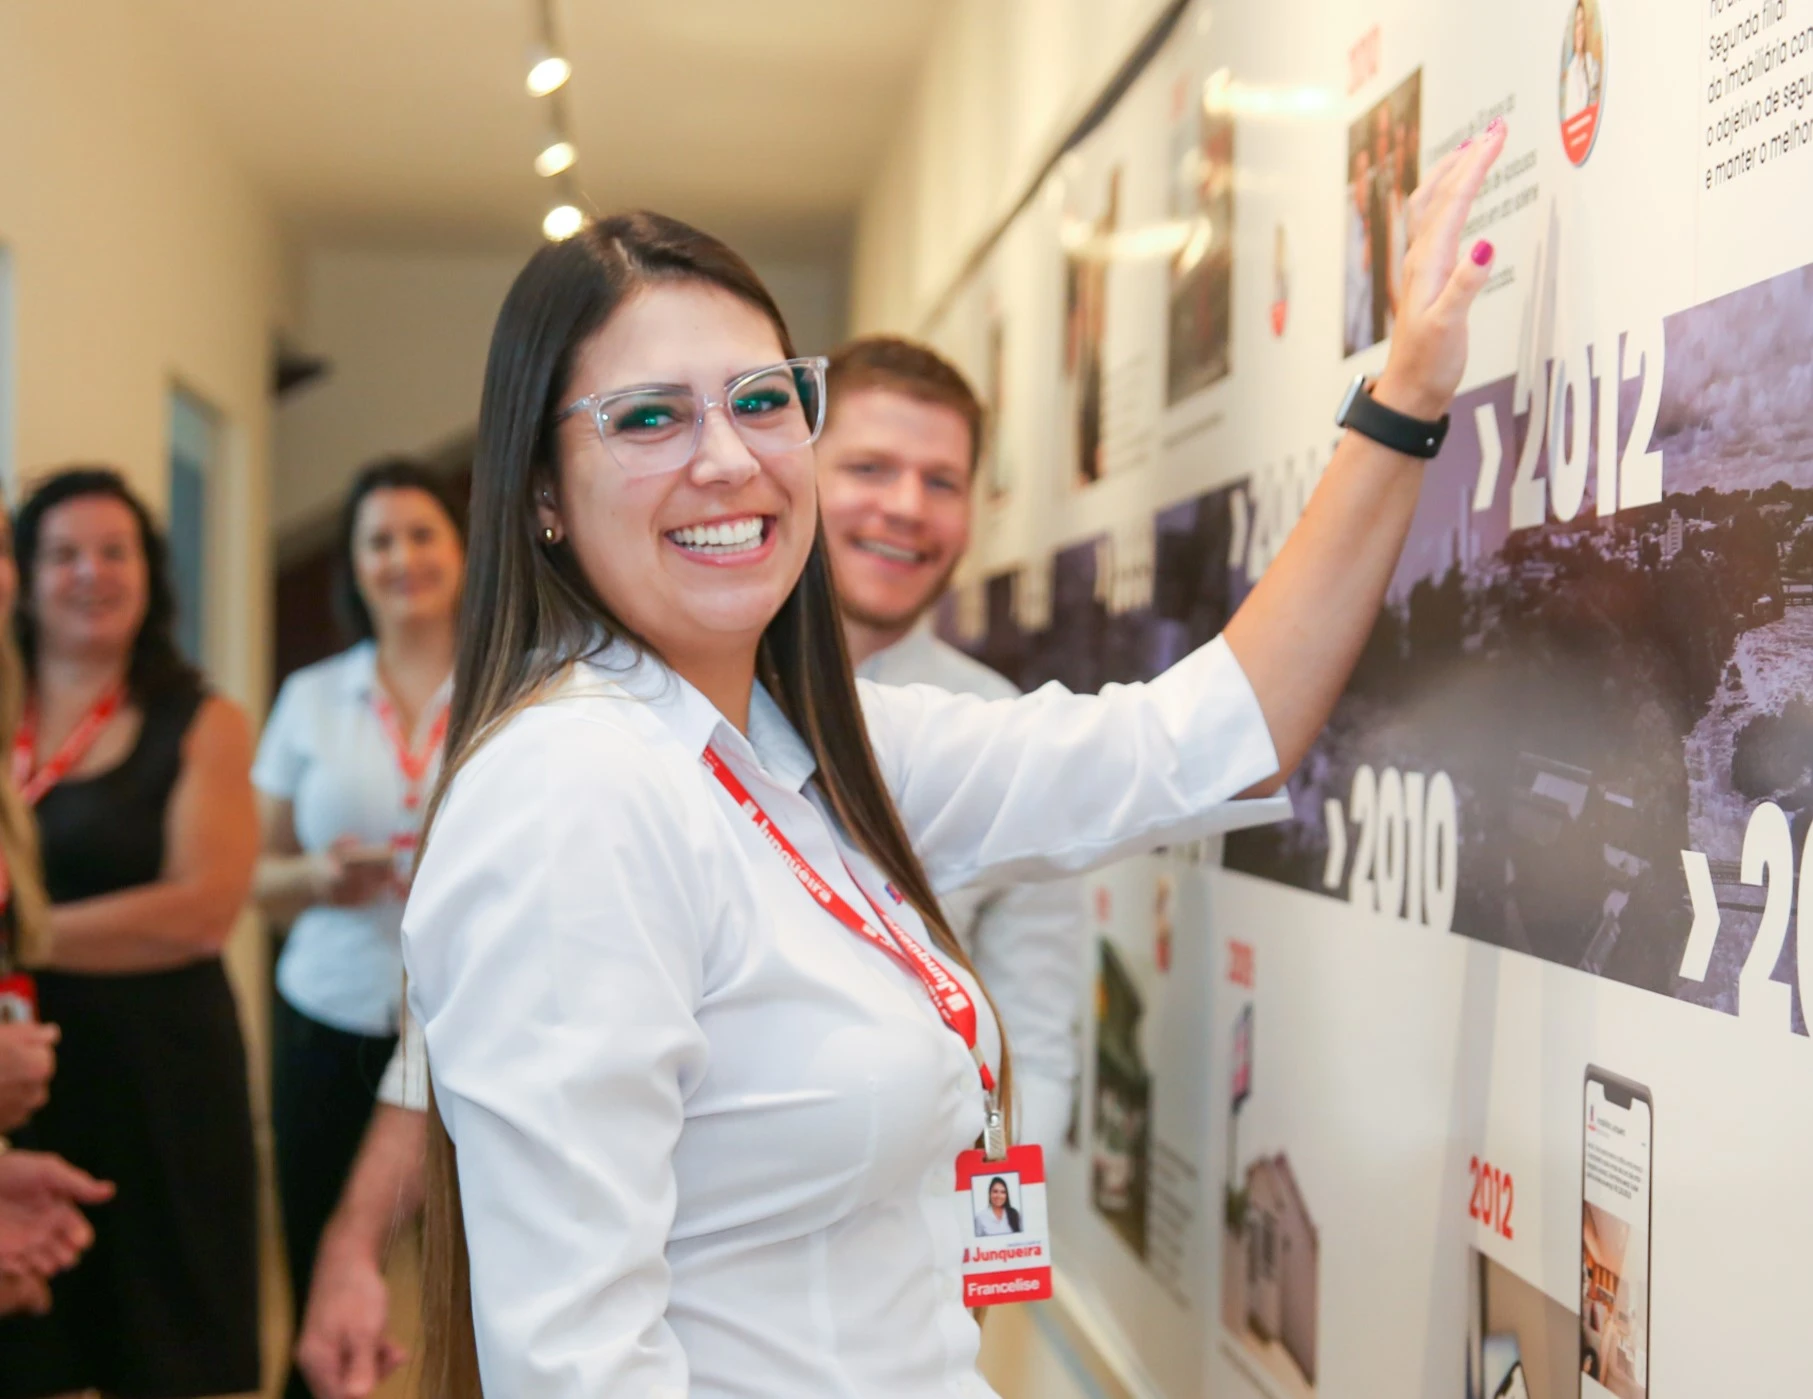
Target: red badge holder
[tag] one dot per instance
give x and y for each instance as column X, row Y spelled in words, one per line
column 18, row 999
column 1006, row 1230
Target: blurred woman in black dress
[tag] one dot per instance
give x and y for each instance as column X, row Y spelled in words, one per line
column 141, row 783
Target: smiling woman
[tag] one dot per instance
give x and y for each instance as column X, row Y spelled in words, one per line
column 342, row 771
column 143, row 799
column 693, row 1137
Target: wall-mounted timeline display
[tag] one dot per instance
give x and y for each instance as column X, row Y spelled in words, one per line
column 1481, row 1076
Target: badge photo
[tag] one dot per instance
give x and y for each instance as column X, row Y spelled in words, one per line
column 1006, row 1233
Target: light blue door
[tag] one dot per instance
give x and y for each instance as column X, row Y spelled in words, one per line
column 194, row 440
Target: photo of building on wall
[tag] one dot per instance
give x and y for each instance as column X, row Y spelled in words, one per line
column 1088, row 244
column 1270, row 1274
column 1520, row 1340
column 1202, row 269
column 1382, row 171
column 1122, row 1145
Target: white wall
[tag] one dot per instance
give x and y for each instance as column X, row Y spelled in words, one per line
column 405, row 335
column 1004, row 80
column 141, row 259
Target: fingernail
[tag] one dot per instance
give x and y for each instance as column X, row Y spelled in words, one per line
column 1498, row 124
column 1464, row 144
column 1482, row 253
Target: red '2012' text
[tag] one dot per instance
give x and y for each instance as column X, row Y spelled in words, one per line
column 1493, row 1196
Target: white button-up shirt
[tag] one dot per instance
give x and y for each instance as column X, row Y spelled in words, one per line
column 705, row 1134
column 325, row 752
column 1026, row 940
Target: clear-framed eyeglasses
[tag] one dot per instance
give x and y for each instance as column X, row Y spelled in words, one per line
column 657, row 428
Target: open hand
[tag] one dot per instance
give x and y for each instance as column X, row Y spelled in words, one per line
column 42, row 1227
column 1437, row 285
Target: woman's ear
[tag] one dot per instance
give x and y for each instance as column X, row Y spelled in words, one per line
column 547, row 513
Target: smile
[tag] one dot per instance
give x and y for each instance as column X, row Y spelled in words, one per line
column 893, row 553
column 723, row 538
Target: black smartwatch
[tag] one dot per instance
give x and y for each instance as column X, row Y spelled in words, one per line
column 1367, row 416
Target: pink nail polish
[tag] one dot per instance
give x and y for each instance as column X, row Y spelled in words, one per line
column 1464, row 144
column 1482, row 253
column 1498, row 124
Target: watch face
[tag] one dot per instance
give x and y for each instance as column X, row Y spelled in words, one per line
column 1353, row 392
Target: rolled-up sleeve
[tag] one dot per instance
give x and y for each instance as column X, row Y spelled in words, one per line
column 1055, row 783
column 554, row 946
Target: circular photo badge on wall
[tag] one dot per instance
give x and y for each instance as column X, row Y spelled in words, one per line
column 1582, row 79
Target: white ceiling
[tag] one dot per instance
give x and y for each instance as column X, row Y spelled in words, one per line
column 405, row 122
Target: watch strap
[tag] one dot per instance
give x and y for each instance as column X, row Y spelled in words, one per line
column 1415, row 437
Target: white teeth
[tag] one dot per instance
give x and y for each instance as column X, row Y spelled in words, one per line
column 889, row 551
column 724, row 537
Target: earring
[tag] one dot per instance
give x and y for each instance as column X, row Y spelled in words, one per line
column 548, row 534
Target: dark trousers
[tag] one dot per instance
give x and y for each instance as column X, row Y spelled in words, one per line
column 324, row 1084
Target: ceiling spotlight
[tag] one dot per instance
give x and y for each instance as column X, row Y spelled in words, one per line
column 556, row 156
column 562, row 222
column 549, row 72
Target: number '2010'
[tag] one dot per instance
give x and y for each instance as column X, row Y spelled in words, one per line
column 1406, row 861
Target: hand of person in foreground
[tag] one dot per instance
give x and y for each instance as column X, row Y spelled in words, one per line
column 28, row 1062
column 42, row 1227
column 344, row 1350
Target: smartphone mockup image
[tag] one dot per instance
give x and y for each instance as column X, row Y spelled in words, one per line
column 1617, row 1148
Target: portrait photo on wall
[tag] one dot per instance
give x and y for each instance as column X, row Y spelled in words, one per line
column 997, row 1205
column 1382, row 171
column 1582, row 86
column 1202, row 269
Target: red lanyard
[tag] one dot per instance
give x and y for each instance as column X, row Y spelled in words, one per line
column 412, row 764
column 947, row 993
column 32, row 782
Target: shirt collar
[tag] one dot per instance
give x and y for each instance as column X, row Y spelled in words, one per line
column 359, row 673
column 359, row 677
column 917, row 642
column 773, row 743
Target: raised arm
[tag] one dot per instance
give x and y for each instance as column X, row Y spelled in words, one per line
column 1300, row 633
column 553, row 946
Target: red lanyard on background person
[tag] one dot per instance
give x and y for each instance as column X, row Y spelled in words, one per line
column 412, row 763
column 953, row 1002
column 33, row 782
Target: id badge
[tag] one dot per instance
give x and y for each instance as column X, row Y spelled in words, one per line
column 1006, row 1233
column 18, row 999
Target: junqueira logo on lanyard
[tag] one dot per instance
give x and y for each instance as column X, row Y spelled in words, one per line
column 413, row 764
column 1000, row 1190
column 18, row 991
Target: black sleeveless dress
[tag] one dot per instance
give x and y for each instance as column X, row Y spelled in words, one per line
column 150, row 1093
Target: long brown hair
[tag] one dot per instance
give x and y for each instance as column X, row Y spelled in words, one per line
column 18, row 831
column 27, row 900
column 529, row 613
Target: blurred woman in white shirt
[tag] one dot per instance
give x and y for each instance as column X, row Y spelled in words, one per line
column 344, row 771
column 693, row 1136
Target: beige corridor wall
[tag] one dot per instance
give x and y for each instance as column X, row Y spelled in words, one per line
column 141, row 259
column 1003, row 81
